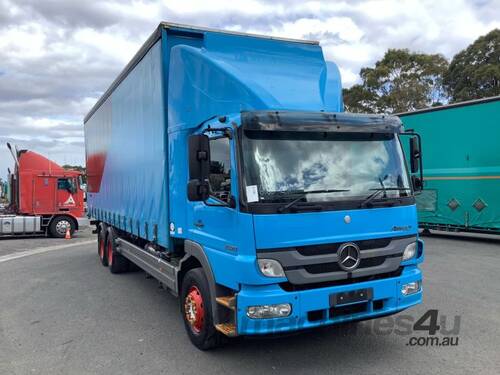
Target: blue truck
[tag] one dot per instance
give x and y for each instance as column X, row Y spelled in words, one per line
column 223, row 165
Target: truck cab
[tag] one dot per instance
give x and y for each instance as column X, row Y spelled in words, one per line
column 315, row 211
column 44, row 197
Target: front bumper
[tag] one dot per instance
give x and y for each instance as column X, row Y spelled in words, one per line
column 311, row 308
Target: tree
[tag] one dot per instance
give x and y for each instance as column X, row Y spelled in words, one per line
column 474, row 73
column 401, row 81
column 78, row 168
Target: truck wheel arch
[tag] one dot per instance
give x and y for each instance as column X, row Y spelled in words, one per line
column 63, row 216
column 195, row 257
column 69, row 216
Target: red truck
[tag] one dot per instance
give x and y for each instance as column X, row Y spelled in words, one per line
column 44, row 198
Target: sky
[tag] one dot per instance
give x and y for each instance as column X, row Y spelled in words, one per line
column 58, row 56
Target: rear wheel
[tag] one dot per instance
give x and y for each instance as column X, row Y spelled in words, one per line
column 60, row 224
column 197, row 312
column 117, row 263
column 101, row 246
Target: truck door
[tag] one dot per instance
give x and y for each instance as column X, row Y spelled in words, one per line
column 44, row 195
column 66, row 189
column 216, row 226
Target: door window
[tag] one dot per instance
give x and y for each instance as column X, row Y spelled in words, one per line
column 220, row 169
column 66, row 184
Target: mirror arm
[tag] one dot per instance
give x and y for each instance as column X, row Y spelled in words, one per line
column 221, row 203
column 227, row 131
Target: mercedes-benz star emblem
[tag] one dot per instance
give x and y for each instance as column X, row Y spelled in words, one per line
column 348, row 256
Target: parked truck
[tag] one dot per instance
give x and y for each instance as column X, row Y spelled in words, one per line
column 462, row 158
column 43, row 197
column 221, row 163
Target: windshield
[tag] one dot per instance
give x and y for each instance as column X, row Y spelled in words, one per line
column 349, row 166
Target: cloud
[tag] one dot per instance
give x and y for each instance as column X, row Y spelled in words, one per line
column 57, row 56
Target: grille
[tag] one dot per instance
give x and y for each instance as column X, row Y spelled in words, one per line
column 319, row 263
column 335, row 312
column 334, row 267
column 332, row 248
column 289, row 287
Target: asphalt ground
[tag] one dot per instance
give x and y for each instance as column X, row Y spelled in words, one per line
column 61, row 312
column 10, row 245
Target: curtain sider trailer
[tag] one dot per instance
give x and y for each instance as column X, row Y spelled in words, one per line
column 222, row 164
column 462, row 158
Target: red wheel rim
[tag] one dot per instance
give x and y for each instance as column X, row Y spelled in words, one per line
column 194, row 310
column 110, row 252
column 101, row 249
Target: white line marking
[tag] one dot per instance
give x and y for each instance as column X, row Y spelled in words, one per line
column 41, row 250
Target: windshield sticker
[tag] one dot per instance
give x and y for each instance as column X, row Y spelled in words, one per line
column 252, row 194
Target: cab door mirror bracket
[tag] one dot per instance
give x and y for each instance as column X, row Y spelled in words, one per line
column 198, row 188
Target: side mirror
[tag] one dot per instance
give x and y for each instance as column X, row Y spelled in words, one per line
column 417, row 183
column 199, row 167
column 415, row 160
column 416, row 164
column 414, row 155
column 197, row 190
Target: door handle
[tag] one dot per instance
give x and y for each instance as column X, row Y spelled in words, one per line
column 198, row 223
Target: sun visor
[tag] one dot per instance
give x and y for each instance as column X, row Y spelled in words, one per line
column 320, row 121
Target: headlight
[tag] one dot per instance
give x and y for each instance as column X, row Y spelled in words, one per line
column 410, row 251
column 281, row 310
column 271, row 268
column 410, row 288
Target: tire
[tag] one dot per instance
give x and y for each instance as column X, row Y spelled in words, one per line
column 117, row 263
column 101, row 246
column 200, row 328
column 58, row 225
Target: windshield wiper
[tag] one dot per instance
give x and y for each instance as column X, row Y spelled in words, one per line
column 303, row 195
column 377, row 192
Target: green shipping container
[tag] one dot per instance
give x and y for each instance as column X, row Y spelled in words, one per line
column 461, row 158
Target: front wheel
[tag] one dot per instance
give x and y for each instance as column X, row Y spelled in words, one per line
column 59, row 226
column 196, row 310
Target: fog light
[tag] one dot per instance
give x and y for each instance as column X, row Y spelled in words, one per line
column 410, row 251
column 410, row 288
column 271, row 268
column 269, row 311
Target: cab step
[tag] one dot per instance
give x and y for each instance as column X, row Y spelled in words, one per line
column 229, row 301
column 228, row 329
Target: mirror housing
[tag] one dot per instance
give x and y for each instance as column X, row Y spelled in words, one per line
column 199, row 168
column 415, row 161
column 417, row 183
column 74, row 188
column 415, row 155
column 199, row 157
column 197, row 190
